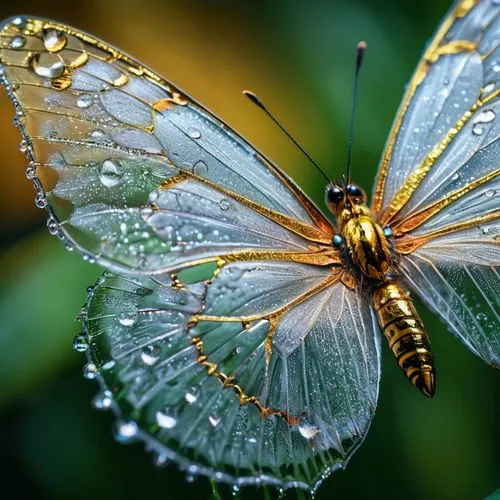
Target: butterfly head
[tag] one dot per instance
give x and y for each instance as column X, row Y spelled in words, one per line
column 345, row 200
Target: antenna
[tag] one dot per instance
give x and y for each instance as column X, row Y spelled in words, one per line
column 256, row 100
column 360, row 51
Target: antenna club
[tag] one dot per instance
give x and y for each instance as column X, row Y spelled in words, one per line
column 362, row 45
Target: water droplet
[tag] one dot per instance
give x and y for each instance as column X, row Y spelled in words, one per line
column 214, row 420
column 484, row 230
column 496, row 67
column 445, row 92
column 128, row 319
column 235, row 489
column 2, row 69
column 111, row 173
column 17, row 42
column 191, row 396
column 84, row 101
column 200, row 168
column 47, row 65
column 89, row 371
column 224, row 204
column 80, row 343
column 486, row 116
column 109, row 365
column 387, row 232
column 54, row 40
column 102, row 400
column 160, row 460
column 31, row 171
column 126, row 430
column 477, row 129
column 166, row 419
column 488, row 88
column 490, row 193
column 455, row 177
column 189, row 478
column 307, row 429
column 53, row 226
column 98, row 134
column 150, row 354
column 194, row 133
column 40, row 200
column 18, row 21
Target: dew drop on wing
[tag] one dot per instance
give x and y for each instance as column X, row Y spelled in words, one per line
column 102, row 400
column 150, row 354
column 166, row 418
column 17, row 42
column 125, row 431
column 111, row 173
column 84, row 101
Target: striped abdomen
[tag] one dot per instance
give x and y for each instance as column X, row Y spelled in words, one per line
column 407, row 338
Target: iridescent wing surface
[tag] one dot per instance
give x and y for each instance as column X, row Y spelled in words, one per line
column 106, row 137
column 206, row 393
column 234, row 342
column 438, row 184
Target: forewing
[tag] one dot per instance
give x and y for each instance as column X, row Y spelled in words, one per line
column 268, row 372
column 106, row 136
column 444, row 136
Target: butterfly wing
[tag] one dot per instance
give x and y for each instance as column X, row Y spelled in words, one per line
column 438, row 184
column 236, row 344
column 106, row 137
column 194, row 364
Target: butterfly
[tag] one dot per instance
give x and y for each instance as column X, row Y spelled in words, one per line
column 236, row 329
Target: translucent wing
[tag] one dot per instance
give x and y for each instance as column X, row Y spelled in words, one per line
column 106, row 138
column 439, row 182
column 269, row 372
column 445, row 132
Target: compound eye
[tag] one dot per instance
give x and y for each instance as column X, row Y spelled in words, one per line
column 334, row 195
column 354, row 191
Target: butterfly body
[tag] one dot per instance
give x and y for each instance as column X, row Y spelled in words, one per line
column 369, row 255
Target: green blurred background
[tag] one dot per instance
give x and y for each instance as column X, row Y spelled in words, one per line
column 298, row 56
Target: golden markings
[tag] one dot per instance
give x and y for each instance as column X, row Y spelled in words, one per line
column 451, row 48
column 176, row 282
column 274, row 318
column 121, row 80
column 403, row 328
column 416, row 220
column 170, row 102
column 228, row 381
column 136, row 71
column 62, row 82
column 79, row 61
column 417, row 176
column 172, row 181
column 409, row 244
column 462, row 9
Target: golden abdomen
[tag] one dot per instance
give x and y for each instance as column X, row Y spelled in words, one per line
column 405, row 333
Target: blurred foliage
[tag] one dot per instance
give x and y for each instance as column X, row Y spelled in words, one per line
column 298, row 56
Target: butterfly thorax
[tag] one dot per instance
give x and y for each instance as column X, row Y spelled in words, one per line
column 362, row 237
